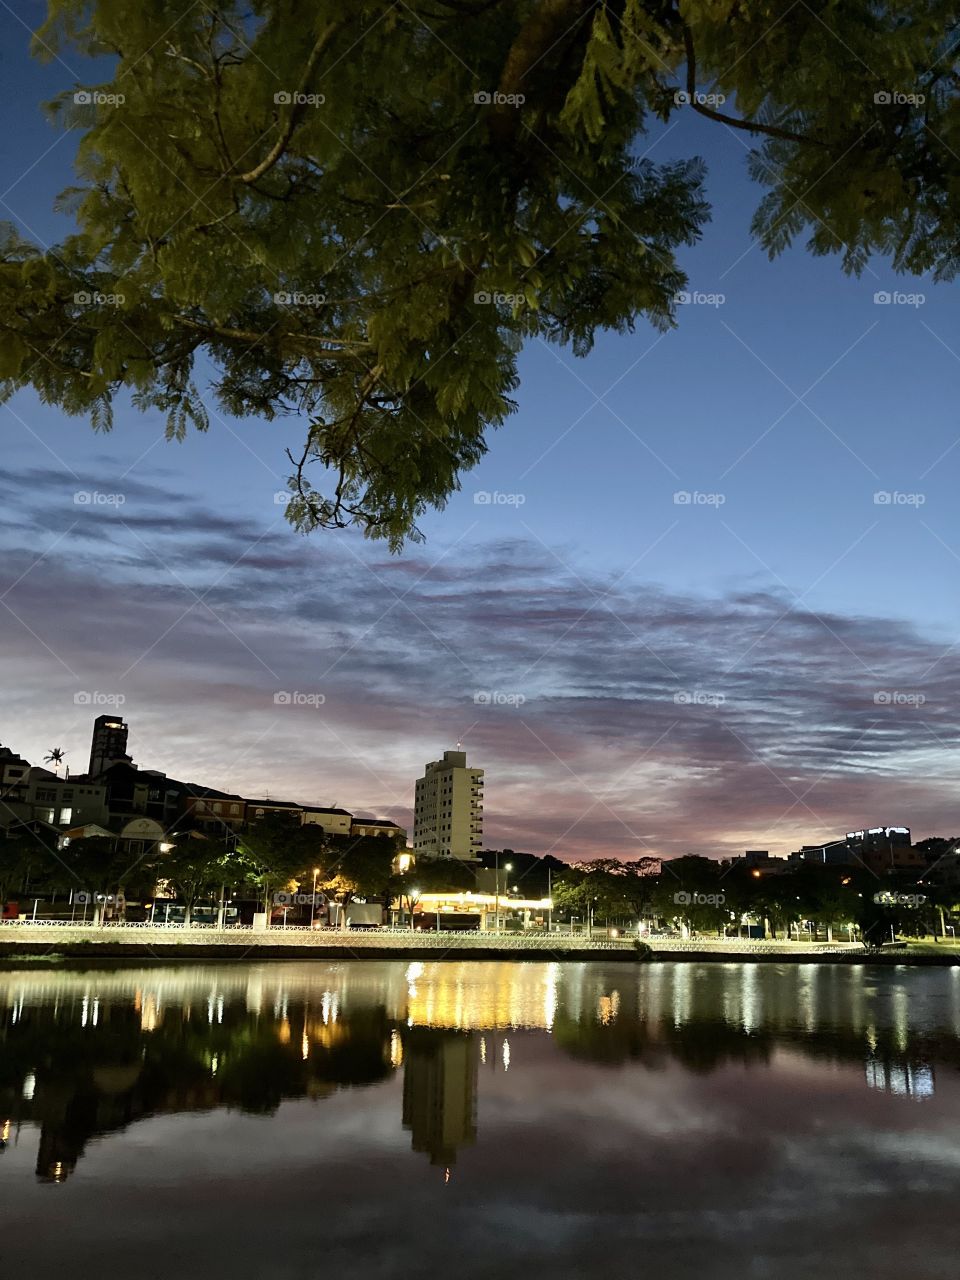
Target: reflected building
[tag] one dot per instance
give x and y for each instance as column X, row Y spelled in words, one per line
column 440, row 1075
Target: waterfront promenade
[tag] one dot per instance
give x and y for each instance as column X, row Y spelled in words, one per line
column 21, row 938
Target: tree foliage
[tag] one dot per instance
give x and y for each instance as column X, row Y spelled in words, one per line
column 359, row 213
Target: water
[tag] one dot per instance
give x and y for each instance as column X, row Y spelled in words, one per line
column 387, row 1120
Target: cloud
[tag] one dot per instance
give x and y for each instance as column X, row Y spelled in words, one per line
column 611, row 716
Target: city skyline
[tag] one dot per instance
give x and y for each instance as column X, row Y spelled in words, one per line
column 582, row 586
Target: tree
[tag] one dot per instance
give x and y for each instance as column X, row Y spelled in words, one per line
column 692, row 889
column 275, row 852
column 194, row 868
column 360, row 867
column 24, row 859
column 98, row 866
column 360, row 213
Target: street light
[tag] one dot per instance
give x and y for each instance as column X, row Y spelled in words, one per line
column 507, row 866
column 313, row 900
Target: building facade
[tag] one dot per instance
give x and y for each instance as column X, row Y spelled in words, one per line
column 335, row 822
column 109, row 745
column 448, row 809
column 378, row 827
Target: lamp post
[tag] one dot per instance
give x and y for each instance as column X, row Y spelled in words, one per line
column 507, row 866
column 313, row 900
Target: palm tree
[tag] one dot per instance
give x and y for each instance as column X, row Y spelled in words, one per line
column 55, row 757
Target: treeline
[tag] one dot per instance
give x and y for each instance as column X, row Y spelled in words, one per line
column 274, row 855
column 705, row 895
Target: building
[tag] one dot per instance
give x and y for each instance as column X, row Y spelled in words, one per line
column 216, row 813
column 880, row 849
column 13, row 769
column 378, row 827
column 109, row 745
column 257, row 810
column 41, row 796
column 440, row 1077
column 885, row 849
column 448, row 809
column 335, row 822
column 759, row 862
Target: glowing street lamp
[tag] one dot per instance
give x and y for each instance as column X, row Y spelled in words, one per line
column 507, row 866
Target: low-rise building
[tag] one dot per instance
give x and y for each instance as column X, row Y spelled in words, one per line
column 257, row 810
column 212, row 812
column 41, row 796
column 378, row 827
column 335, row 822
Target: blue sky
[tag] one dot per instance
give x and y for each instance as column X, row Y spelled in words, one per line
column 780, row 613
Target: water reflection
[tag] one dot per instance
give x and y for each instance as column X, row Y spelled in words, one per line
column 84, row 1055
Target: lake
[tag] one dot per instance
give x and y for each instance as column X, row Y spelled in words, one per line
column 468, row 1119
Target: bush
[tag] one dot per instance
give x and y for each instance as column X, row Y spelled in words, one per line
column 643, row 949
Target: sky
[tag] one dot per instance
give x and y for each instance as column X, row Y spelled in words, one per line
column 773, row 662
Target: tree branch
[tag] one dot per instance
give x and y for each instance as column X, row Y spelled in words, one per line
column 297, row 108
column 751, row 126
column 546, row 27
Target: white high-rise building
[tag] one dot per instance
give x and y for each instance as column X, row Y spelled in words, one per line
column 448, row 809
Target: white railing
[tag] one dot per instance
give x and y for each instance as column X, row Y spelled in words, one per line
column 304, row 936
column 399, row 937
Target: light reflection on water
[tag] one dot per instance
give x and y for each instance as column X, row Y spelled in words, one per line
column 758, row 1103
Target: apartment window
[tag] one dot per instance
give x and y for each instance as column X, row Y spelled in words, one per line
column 65, row 816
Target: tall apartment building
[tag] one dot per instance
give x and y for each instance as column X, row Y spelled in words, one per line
column 448, row 809
column 109, row 745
